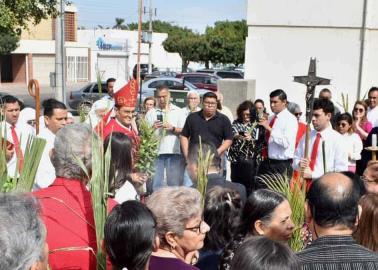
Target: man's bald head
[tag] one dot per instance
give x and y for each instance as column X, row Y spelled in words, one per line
column 333, row 199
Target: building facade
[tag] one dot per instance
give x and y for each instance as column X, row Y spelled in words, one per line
column 113, row 53
column 283, row 35
column 35, row 55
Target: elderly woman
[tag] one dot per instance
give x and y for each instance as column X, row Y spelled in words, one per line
column 295, row 110
column 22, row 234
column 67, row 228
column 180, row 228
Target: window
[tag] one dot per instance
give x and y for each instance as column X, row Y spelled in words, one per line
column 103, row 88
column 231, row 75
column 195, row 79
column 77, row 68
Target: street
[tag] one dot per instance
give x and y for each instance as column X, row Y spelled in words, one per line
column 21, row 92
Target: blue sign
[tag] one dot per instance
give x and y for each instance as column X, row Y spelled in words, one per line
column 102, row 44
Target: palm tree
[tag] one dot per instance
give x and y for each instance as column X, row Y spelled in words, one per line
column 119, row 23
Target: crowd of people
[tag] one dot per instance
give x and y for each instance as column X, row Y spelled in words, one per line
column 238, row 224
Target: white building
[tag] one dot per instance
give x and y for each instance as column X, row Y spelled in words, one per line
column 283, row 35
column 114, row 52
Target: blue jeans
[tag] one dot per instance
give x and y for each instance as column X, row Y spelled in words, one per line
column 171, row 165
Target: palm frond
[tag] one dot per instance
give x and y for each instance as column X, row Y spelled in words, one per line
column 202, row 170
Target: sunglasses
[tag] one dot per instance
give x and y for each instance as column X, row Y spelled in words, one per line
column 341, row 125
column 31, row 122
column 298, row 114
column 358, row 110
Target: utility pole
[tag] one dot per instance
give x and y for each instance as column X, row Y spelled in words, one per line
column 140, row 13
column 150, row 13
column 60, row 91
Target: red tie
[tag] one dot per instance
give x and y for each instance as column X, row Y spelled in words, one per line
column 17, row 148
column 314, row 152
column 267, row 136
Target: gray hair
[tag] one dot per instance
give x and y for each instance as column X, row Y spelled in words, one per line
column 173, row 207
column 22, row 232
column 293, row 108
column 73, row 143
column 194, row 92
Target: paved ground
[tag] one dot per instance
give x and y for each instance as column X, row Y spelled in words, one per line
column 21, row 91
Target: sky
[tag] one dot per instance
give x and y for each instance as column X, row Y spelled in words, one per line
column 194, row 14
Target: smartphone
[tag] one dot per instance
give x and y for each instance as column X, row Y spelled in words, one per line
column 159, row 117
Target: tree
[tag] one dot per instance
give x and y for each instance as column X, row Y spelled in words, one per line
column 186, row 43
column 120, row 24
column 227, row 42
column 16, row 16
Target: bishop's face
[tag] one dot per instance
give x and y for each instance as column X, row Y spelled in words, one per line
column 125, row 115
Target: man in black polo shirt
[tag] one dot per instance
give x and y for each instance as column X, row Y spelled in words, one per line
column 211, row 125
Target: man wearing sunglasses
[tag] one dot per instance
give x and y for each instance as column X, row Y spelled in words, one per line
column 322, row 138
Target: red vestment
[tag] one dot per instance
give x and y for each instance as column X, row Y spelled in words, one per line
column 68, row 215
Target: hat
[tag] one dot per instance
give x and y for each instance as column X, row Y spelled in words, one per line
column 127, row 94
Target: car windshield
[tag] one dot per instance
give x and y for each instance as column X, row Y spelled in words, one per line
column 190, row 85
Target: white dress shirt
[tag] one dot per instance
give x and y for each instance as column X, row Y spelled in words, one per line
column 354, row 146
column 372, row 116
column 46, row 172
column 170, row 143
column 281, row 145
column 335, row 152
column 23, row 132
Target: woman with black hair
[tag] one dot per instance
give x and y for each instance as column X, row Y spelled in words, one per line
column 265, row 213
column 130, row 236
column 220, row 204
column 262, row 253
column 248, row 142
column 122, row 179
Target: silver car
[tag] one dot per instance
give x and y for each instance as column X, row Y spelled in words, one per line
column 178, row 88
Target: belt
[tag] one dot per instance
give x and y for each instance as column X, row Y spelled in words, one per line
column 290, row 160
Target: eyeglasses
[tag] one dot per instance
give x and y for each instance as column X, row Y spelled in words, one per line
column 200, row 228
column 210, row 103
column 367, row 180
column 298, row 114
column 358, row 110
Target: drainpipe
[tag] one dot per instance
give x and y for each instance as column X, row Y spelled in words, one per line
column 362, row 49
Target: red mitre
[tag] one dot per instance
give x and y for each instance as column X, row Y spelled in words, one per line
column 127, row 95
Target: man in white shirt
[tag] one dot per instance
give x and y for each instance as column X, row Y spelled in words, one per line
column 55, row 116
column 281, row 131
column 336, row 156
column 372, row 113
column 166, row 118
column 14, row 133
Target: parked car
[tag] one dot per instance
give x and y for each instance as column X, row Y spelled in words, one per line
column 158, row 74
column 143, row 70
column 201, row 80
column 85, row 96
column 178, row 87
column 224, row 74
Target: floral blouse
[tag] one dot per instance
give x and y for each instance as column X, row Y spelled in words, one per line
column 243, row 149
